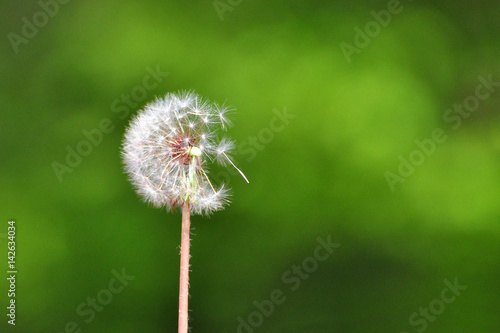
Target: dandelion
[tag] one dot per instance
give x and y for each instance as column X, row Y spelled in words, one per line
column 166, row 151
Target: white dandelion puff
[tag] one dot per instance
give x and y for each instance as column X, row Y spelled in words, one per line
column 166, row 150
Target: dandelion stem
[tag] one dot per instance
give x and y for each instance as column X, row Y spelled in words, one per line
column 184, row 271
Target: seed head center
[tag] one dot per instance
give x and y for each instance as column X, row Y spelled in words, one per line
column 194, row 151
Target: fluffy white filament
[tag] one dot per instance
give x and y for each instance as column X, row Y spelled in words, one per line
column 167, row 146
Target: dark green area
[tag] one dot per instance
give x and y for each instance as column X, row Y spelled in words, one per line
column 321, row 174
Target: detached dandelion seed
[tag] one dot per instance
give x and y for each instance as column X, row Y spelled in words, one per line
column 166, row 150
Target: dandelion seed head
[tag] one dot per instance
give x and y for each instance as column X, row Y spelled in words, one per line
column 166, row 149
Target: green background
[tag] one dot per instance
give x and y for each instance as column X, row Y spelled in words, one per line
column 321, row 175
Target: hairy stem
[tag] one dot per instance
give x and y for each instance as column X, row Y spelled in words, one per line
column 184, row 272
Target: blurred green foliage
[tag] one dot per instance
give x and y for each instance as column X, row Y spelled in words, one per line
column 321, row 175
